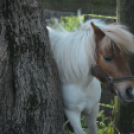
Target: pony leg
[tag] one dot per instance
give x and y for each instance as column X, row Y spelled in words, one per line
column 75, row 121
column 90, row 121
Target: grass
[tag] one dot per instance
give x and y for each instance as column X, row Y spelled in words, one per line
column 103, row 128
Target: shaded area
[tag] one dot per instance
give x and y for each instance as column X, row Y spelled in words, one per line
column 125, row 10
column 103, row 7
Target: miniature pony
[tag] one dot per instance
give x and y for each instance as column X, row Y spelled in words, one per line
column 75, row 53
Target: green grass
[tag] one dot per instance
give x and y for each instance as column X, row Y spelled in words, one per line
column 103, row 128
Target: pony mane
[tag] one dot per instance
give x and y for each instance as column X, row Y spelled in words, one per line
column 121, row 36
column 117, row 33
column 74, row 52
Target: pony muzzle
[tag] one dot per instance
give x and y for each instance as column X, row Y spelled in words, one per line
column 125, row 92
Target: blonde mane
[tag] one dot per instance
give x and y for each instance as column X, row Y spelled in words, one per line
column 74, row 52
column 121, row 36
column 117, row 33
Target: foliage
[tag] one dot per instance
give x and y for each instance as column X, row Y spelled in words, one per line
column 72, row 23
column 103, row 128
column 68, row 23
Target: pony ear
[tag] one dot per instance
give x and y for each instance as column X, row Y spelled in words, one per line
column 99, row 35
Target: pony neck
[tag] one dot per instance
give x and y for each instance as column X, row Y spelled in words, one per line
column 73, row 53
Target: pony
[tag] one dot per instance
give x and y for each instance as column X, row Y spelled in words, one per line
column 77, row 53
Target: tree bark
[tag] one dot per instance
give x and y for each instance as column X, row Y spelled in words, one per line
column 125, row 10
column 30, row 94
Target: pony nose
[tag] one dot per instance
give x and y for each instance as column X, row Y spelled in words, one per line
column 129, row 92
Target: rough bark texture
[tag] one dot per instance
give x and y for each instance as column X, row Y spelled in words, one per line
column 30, row 96
column 125, row 10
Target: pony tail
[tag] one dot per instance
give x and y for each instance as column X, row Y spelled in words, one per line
column 79, row 15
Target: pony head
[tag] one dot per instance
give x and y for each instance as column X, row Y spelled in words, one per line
column 113, row 43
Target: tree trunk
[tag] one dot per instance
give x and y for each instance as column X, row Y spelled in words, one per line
column 30, row 95
column 125, row 10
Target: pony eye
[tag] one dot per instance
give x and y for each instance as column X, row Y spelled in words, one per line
column 107, row 58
